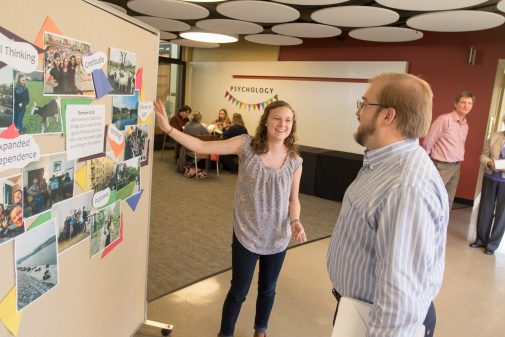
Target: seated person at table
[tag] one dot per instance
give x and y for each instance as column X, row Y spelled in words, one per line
column 230, row 162
column 181, row 118
column 222, row 122
column 178, row 121
column 195, row 128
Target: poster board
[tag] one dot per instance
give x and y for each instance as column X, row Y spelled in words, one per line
column 104, row 294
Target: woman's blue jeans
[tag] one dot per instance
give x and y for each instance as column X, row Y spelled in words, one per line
column 243, row 264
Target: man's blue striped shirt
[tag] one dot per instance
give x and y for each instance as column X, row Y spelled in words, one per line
column 388, row 246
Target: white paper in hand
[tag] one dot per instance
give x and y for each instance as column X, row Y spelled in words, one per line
column 352, row 319
column 499, row 164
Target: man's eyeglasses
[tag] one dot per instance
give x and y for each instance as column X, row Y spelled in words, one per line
column 362, row 104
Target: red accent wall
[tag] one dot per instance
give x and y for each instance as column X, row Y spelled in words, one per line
column 442, row 60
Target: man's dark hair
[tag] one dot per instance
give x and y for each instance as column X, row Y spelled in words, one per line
column 184, row 108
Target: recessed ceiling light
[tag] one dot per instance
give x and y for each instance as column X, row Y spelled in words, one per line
column 198, row 34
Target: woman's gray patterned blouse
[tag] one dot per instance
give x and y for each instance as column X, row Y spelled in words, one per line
column 261, row 210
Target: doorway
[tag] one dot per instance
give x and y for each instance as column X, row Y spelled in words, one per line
column 496, row 113
column 170, row 89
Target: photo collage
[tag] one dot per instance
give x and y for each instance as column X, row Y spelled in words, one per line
column 62, row 199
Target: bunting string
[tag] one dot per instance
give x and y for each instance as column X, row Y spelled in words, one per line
column 243, row 105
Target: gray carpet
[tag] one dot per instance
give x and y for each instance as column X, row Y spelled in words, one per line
column 191, row 226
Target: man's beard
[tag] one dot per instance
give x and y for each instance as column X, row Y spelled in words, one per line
column 363, row 132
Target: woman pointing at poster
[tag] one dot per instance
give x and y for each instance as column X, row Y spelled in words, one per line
column 266, row 209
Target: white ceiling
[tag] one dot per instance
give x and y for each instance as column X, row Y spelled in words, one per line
column 456, row 21
column 258, row 11
column 386, row 34
column 286, row 22
column 429, row 5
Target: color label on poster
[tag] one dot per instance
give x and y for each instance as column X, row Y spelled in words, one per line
column 19, row 55
column 145, row 109
column 116, row 140
column 94, row 62
column 101, row 198
column 18, row 152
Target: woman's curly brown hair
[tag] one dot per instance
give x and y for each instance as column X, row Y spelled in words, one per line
column 259, row 142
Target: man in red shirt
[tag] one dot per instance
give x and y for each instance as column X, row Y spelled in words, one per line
column 181, row 118
column 179, row 121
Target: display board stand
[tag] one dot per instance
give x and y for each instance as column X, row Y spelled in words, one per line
column 103, row 294
column 166, row 329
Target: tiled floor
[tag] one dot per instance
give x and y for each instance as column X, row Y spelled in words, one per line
column 471, row 302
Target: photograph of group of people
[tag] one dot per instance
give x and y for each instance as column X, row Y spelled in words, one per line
column 11, row 208
column 72, row 218
column 63, row 70
column 47, row 182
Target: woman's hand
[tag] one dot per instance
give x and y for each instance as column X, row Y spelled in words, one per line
column 161, row 116
column 297, row 232
column 490, row 164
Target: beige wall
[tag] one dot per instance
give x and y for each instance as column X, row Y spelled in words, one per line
column 325, row 109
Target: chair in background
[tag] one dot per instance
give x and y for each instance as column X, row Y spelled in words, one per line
column 211, row 157
column 171, row 144
column 197, row 157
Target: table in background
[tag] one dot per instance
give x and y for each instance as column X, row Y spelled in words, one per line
column 328, row 173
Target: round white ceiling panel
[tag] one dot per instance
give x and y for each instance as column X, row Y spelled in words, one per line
column 355, row 16
column 273, row 39
column 164, row 24
column 386, row 34
column 309, row 30
column 311, row 2
column 429, row 5
column 456, row 21
column 169, row 9
column 258, row 11
column 229, row 26
column 194, row 44
column 167, row 36
column 501, row 6
column 116, row 7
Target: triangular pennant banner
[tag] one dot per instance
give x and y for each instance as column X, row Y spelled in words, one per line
column 100, row 81
column 243, row 105
column 138, row 83
column 8, row 313
column 43, row 218
column 81, row 177
column 10, row 133
column 48, row 26
column 134, row 200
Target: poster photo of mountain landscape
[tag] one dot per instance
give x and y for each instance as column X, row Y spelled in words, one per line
column 36, row 263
